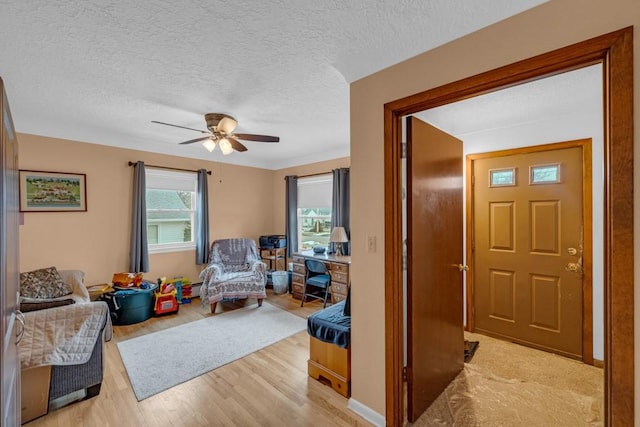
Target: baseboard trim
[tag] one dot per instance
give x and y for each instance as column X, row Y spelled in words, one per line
column 367, row 413
column 598, row 363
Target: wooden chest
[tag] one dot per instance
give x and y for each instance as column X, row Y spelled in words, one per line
column 330, row 364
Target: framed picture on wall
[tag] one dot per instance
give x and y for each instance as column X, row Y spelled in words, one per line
column 52, row 191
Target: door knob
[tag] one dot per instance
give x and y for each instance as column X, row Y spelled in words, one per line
column 572, row 251
column 574, row 267
column 463, row 267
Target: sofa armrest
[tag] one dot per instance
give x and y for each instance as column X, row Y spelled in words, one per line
column 75, row 280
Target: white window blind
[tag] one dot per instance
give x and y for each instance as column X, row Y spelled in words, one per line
column 315, row 191
column 159, row 179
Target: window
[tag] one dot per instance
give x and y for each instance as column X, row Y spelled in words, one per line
column 314, row 211
column 502, row 177
column 171, row 210
column 544, row 174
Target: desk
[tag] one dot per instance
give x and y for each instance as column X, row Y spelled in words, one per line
column 338, row 267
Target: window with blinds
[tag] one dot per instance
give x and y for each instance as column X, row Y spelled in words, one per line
column 314, row 211
column 171, row 210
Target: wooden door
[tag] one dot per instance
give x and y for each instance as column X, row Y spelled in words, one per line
column 528, row 232
column 435, row 341
column 9, row 268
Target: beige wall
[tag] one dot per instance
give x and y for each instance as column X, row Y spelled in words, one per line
column 550, row 26
column 97, row 241
column 279, row 188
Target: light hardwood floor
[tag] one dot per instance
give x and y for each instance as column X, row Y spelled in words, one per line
column 267, row 388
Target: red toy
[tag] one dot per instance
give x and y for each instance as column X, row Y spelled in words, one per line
column 166, row 301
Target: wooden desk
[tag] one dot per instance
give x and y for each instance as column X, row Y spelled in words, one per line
column 338, row 267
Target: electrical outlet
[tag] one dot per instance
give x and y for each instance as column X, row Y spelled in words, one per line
column 371, row 244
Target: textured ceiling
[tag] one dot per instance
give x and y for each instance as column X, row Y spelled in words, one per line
column 100, row 70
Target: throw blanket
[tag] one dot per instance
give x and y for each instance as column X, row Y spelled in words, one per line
column 63, row 335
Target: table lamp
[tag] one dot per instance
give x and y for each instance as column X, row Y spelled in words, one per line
column 338, row 236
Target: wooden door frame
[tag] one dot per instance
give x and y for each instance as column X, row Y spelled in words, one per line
column 615, row 52
column 587, row 238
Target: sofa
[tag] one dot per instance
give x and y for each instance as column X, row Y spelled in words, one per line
column 61, row 347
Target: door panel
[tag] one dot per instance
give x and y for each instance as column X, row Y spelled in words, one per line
column 524, row 228
column 502, row 228
column 545, row 227
column 545, row 302
column 503, row 292
column 435, row 344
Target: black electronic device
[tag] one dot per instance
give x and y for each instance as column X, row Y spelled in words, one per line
column 273, row 241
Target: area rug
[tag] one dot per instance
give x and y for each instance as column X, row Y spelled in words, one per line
column 164, row 359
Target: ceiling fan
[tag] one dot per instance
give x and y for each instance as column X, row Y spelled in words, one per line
column 220, row 132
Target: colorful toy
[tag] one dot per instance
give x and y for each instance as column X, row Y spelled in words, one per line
column 127, row 280
column 165, row 298
column 183, row 289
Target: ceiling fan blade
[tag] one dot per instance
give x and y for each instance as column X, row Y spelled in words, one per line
column 191, row 141
column 237, row 145
column 259, row 138
column 177, row 126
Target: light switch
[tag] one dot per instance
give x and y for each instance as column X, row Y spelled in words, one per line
column 371, row 244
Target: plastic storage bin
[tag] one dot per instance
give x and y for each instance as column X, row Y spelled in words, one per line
column 130, row 306
column 280, row 281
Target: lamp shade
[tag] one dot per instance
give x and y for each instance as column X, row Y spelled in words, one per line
column 225, row 146
column 209, row 144
column 338, row 235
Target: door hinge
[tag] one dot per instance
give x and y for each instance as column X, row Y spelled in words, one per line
column 404, row 373
column 473, row 180
column 403, row 151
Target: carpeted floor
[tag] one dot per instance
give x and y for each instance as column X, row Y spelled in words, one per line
column 163, row 359
column 506, row 384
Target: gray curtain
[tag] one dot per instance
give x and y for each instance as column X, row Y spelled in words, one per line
column 291, row 213
column 202, row 219
column 340, row 207
column 139, row 260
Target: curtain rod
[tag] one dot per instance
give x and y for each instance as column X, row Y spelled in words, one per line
column 311, row 174
column 170, row 168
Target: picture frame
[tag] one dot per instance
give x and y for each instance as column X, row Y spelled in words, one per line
column 42, row 191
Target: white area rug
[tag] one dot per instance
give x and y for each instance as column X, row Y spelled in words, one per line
column 163, row 359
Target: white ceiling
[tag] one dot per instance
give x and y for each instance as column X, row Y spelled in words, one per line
column 99, row 71
column 575, row 94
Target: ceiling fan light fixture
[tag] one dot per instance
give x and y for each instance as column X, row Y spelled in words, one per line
column 225, row 146
column 221, row 132
column 209, row 144
column 227, row 125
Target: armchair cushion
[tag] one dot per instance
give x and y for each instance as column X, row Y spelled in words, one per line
column 44, row 283
column 75, row 280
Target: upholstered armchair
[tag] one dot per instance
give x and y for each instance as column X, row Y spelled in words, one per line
column 235, row 271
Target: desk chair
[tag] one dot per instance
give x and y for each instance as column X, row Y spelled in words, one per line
column 317, row 276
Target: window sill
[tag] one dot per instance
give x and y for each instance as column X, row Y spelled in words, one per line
column 160, row 249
